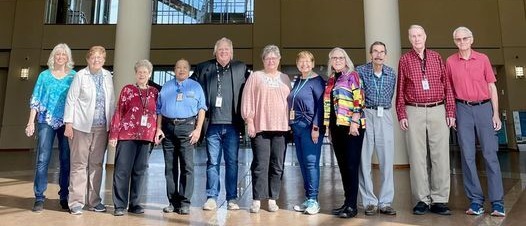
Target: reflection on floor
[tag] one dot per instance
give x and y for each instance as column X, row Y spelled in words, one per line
column 16, row 196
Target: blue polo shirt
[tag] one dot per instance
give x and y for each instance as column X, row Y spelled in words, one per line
column 193, row 99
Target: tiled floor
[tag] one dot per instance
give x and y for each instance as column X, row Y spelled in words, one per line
column 16, row 196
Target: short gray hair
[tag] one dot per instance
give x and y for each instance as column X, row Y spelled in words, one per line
column 270, row 49
column 60, row 47
column 144, row 63
column 416, row 26
column 461, row 28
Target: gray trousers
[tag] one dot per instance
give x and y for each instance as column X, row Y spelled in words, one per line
column 477, row 120
column 379, row 135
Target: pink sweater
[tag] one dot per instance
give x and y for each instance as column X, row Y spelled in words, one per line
column 265, row 102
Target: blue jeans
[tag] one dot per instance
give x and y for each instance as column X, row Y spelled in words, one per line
column 46, row 137
column 222, row 139
column 308, row 154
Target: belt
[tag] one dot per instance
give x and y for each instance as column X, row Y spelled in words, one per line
column 376, row 108
column 178, row 120
column 473, row 103
column 426, row 105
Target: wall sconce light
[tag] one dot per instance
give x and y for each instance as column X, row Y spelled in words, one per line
column 24, row 73
column 519, row 72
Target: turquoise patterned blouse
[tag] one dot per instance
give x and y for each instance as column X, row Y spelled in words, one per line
column 49, row 98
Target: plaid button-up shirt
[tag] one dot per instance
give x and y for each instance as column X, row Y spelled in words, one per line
column 379, row 91
column 412, row 71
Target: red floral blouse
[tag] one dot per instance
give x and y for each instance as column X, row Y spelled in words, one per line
column 135, row 117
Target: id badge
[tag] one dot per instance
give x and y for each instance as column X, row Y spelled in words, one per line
column 219, row 101
column 380, row 112
column 144, row 120
column 425, row 84
column 179, row 97
column 292, row 115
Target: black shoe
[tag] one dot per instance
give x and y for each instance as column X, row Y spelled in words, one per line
column 184, row 210
column 64, row 204
column 338, row 210
column 136, row 209
column 440, row 208
column 348, row 212
column 38, row 206
column 421, row 208
column 170, row 208
column 118, row 212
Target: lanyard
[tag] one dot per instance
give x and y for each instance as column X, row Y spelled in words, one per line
column 144, row 100
column 296, row 91
column 219, row 82
column 423, row 65
column 378, row 90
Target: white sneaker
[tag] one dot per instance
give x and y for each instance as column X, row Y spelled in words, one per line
column 256, row 205
column 232, row 205
column 301, row 207
column 272, row 206
column 210, row 204
column 312, row 207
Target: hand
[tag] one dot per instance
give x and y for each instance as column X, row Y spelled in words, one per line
column 497, row 124
column 68, row 131
column 315, row 135
column 353, row 129
column 251, row 130
column 113, row 142
column 194, row 136
column 451, row 122
column 159, row 135
column 30, row 129
column 404, row 125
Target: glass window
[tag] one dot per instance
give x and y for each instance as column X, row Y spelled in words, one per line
column 163, row 11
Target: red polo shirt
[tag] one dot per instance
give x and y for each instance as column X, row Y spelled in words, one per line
column 470, row 77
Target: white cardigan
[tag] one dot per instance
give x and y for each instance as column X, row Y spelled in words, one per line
column 80, row 103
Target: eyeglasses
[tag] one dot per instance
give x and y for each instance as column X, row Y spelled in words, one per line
column 271, row 59
column 464, row 39
column 378, row 52
column 338, row 58
column 93, row 58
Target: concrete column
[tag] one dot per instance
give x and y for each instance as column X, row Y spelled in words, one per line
column 132, row 43
column 382, row 24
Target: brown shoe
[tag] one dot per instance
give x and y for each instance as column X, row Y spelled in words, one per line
column 387, row 210
column 371, row 210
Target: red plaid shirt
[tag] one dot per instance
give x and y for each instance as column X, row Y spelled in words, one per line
column 410, row 76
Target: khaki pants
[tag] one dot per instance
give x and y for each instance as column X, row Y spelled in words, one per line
column 430, row 121
column 87, row 154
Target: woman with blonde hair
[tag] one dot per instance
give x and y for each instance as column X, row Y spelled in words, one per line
column 306, row 120
column 47, row 107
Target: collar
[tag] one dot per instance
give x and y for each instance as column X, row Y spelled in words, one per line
column 474, row 55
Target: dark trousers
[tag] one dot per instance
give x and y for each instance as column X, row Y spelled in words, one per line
column 348, row 151
column 179, row 161
column 476, row 121
column 267, row 165
column 131, row 160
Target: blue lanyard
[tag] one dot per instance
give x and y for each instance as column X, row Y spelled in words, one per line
column 296, row 91
column 378, row 90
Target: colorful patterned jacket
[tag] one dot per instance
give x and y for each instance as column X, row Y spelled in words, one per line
column 348, row 99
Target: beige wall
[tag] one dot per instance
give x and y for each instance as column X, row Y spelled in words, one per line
column 499, row 27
